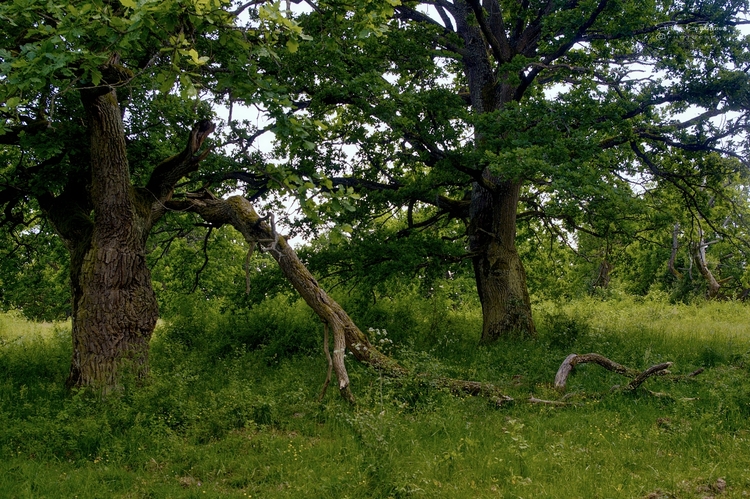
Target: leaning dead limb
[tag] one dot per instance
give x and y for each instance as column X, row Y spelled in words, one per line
column 240, row 214
column 639, row 377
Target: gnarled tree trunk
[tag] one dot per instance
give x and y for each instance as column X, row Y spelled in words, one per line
column 499, row 272
column 114, row 306
column 104, row 221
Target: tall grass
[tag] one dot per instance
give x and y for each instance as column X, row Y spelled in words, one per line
column 222, row 416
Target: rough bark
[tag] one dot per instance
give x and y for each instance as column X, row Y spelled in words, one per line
column 114, row 306
column 104, row 221
column 499, row 272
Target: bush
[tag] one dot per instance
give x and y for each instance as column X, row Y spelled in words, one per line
column 563, row 330
column 280, row 326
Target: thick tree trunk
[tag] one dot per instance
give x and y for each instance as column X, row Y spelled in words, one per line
column 500, row 276
column 114, row 306
column 603, row 275
column 104, row 222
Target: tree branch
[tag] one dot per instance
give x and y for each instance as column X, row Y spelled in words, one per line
column 573, row 360
column 170, row 171
column 561, row 50
column 500, row 48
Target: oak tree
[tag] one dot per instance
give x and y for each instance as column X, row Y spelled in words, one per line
column 97, row 98
column 496, row 112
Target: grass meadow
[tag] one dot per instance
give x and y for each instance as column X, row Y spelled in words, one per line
column 231, row 408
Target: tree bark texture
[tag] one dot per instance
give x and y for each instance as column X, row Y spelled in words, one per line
column 499, row 272
column 603, row 275
column 104, row 221
column 114, row 306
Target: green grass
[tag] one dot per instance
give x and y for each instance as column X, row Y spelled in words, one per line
column 219, row 418
column 15, row 328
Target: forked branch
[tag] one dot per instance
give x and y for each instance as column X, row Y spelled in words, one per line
column 171, row 170
column 639, row 377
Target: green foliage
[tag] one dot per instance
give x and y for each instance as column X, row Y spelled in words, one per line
column 562, row 330
column 280, row 326
column 606, row 165
column 34, row 272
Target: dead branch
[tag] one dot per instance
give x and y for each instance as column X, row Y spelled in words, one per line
column 330, row 363
column 239, row 213
column 473, row 388
column 639, row 377
column 638, row 381
column 534, row 400
column 205, row 260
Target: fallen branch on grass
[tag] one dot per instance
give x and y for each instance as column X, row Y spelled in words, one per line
column 639, row 377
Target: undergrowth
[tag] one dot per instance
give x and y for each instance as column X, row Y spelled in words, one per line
column 230, row 408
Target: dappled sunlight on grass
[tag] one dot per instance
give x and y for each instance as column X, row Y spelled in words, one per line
column 15, row 328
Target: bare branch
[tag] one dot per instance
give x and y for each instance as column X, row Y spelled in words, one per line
column 170, row 171
column 205, row 260
column 573, row 360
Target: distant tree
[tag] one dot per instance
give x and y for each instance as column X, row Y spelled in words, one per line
column 497, row 113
